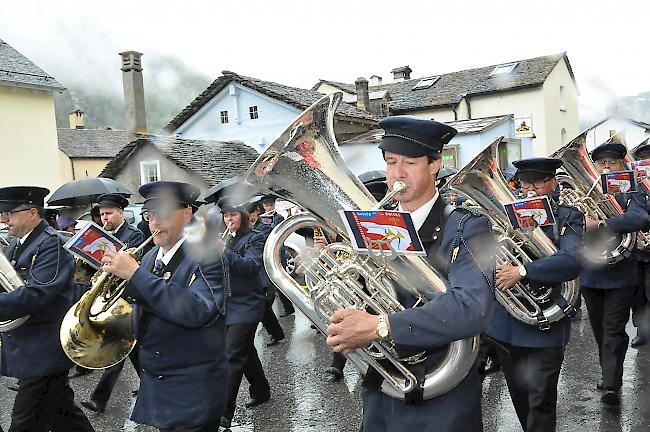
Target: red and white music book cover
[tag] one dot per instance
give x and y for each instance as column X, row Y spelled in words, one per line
column 529, row 212
column 91, row 243
column 641, row 168
column 618, row 182
column 382, row 230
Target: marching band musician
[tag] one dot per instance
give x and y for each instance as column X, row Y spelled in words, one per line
column 32, row 352
column 608, row 289
column 243, row 249
column 181, row 328
column 641, row 301
column 532, row 358
column 460, row 246
column 111, row 210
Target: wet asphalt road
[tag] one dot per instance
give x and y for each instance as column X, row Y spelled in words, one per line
column 302, row 401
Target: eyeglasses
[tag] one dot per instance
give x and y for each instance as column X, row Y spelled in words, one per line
column 163, row 213
column 6, row 214
column 536, row 184
column 610, row 162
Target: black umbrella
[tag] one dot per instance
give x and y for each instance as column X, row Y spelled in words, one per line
column 235, row 186
column 446, row 172
column 86, row 191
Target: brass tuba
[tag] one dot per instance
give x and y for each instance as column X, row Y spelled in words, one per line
column 304, row 166
column 481, row 181
column 585, row 194
column 97, row 332
column 10, row 281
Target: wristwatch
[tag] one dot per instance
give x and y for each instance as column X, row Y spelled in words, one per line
column 383, row 328
column 522, row 271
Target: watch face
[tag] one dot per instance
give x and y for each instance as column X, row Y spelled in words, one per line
column 383, row 332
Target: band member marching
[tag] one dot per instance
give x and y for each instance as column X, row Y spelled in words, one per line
column 608, row 289
column 181, row 329
column 532, row 358
column 412, row 151
column 32, row 352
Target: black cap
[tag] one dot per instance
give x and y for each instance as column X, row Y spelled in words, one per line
column 13, row 196
column 375, row 182
column 268, row 198
column 253, row 203
column 537, row 168
column 166, row 192
column 231, row 203
column 414, row 137
column 642, row 151
column 609, row 149
column 112, row 200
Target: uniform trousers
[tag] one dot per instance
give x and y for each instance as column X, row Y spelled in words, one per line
column 104, row 388
column 641, row 299
column 210, row 427
column 609, row 311
column 44, row 404
column 243, row 360
column 270, row 321
column 532, row 375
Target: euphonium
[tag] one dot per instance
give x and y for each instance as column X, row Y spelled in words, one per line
column 304, row 166
column 482, row 182
column 585, row 194
column 10, row 281
column 97, row 332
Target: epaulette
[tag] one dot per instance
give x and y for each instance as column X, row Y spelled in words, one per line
column 51, row 231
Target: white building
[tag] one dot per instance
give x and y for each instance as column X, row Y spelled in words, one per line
column 631, row 132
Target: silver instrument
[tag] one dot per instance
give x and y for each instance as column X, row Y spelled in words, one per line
column 10, row 280
column 585, row 194
column 304, row 166
column 482, row 181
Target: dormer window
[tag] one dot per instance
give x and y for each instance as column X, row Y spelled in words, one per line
column 504, row 68
column 426, row 83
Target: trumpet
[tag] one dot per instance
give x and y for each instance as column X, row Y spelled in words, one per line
column 97, row 332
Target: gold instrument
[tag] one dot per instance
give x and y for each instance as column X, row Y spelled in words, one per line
column 97, row 332
column 304, row 166
column 585, row 194
column 10, row 280
column 481, row 180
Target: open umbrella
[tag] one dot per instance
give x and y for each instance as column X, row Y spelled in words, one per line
column 86, row 191
column 235, row 186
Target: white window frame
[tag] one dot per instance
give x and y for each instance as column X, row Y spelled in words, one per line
column 221, row 117
column 252, row 110
column 562, row 98
column 143, row 173
column 504, row 68
column 426, row 82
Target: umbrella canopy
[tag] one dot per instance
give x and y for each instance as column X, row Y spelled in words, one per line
column 446, row 172
column 86, row 191
column 235, row 186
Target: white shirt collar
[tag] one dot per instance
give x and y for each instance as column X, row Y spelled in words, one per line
column 420, row 215
column 23, row 239
column 118, row 228
column 166, row 258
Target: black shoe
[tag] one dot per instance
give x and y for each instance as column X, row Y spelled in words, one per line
column 274, row 341
column 599, row 385
column 80, row 371
column 611, row 397
column 94, row 406
column 333, row 374
column 255, row 401
column 12, row 387
column 638, row 340
column 224, row 423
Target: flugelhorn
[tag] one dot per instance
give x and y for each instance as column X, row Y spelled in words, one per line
column 97, row 332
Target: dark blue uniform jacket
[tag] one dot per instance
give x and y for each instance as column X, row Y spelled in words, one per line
column 624, row 273
column 562, row 266
column 244, row 256
column 130, row 236
column 33, row 350
column 463, row 311
column 181, row 342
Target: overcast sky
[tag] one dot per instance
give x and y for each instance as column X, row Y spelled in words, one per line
column 298, row 42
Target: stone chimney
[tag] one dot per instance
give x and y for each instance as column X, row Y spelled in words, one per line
column 375, row 81
column 363, row 97
column 76, row 119
column 401, row 73
column 136, row 119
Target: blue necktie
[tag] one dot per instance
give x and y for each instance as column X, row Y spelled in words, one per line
column 158, row 267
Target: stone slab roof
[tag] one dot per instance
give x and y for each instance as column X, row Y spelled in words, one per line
column 92, row 143
column 213, row 161
column 17, row 70
column 297, row 97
